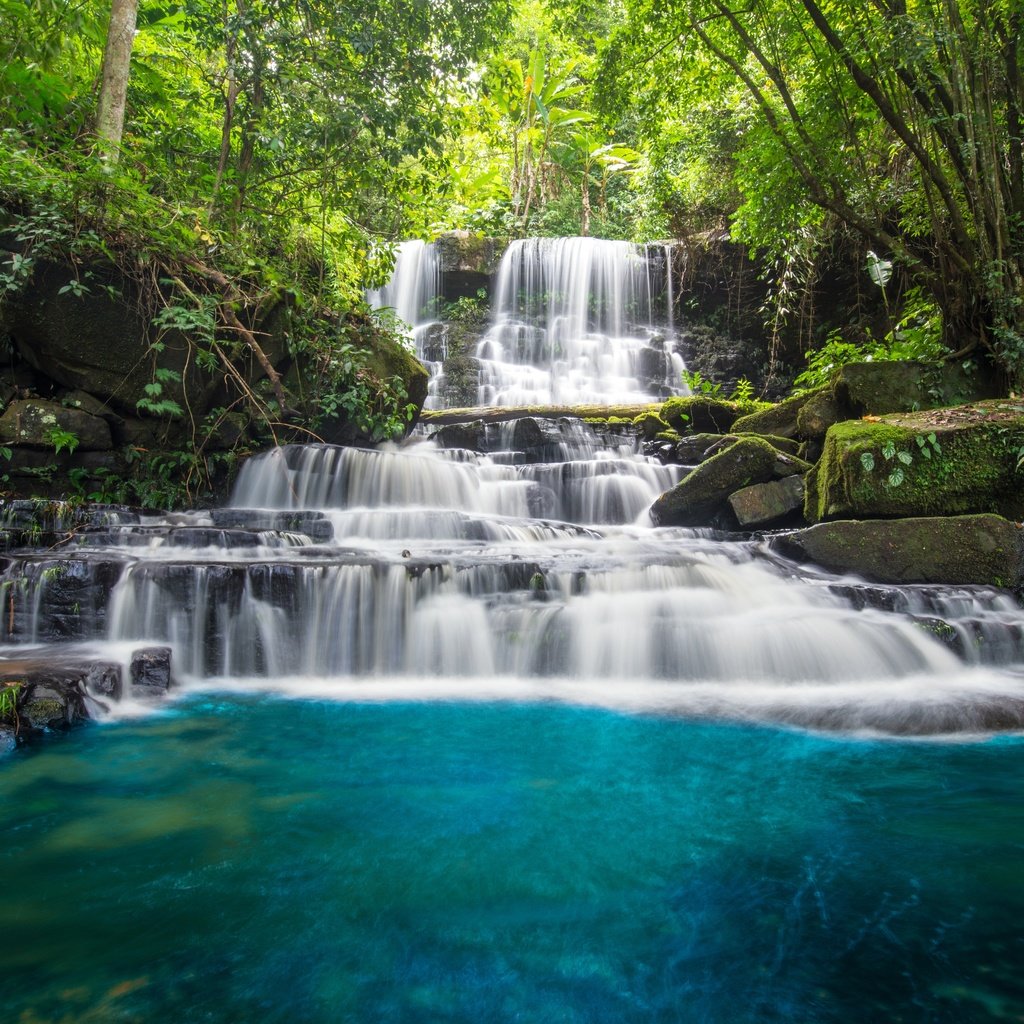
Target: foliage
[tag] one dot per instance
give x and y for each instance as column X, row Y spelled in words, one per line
column 901, row 459
column 9, row 704
column 901, row 122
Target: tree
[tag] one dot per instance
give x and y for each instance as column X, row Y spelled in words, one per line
column 899, row 118
column 117, row 55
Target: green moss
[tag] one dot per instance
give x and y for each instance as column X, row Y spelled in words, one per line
column 975, row 470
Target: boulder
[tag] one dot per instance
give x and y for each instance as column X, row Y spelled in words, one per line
column 470, row 436
column 949, row 462
column 780, row 420
column 38, row 424
column 761, row 505
column 468, row 262
column 150, row 670
column 821, row 411
column 703, row 493
column 878, row 388
column 699, row 414
column 973, row 549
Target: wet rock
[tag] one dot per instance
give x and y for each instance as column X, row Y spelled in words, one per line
column 703, row 494
column 470, row 436
column 104, row 680
column 977, row 549
column 150, row 669
column 769, row 503
column 313, row 524
column 56, row 704
column 37, row 424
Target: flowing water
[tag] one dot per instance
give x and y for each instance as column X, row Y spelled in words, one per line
column 460, row 737
column 575, row 321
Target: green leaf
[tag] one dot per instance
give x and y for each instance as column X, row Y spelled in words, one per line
column 867, row 460
column 905, row 457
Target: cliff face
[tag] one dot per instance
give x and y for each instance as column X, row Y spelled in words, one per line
column 105, row 380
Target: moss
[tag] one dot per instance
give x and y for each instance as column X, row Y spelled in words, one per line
column 780, row 419
column 700, row 414
column 974, row 471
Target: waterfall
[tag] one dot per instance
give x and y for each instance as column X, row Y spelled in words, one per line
column 414, row 286
column 573, row 323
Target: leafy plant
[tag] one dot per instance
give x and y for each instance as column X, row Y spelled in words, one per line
column 61, row 439
column 700, row 385
column 901, row 459
column 9, row 704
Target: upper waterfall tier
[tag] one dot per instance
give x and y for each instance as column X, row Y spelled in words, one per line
column 574, row 322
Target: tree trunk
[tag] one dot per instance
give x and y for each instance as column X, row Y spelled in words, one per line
column 117, row 57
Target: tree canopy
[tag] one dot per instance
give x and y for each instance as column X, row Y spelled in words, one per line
column 302, row 134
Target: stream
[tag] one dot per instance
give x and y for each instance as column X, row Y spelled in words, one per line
column 458, row 736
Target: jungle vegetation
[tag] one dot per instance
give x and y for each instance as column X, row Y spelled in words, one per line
column 284, row 144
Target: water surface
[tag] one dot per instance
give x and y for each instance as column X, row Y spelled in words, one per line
column 243, row 858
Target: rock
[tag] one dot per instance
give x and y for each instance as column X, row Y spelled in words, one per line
column 470, row 436
column 698, row 414
column 55, row 704
column 768, row 503
column 693, row 448
column 37, row 424
column 8, row 739
column 97, row 342
column 974, row 549
column 821, row 411
column 649, row 425
column 150, row 669
column 971, row 468
column 878, row 388
column 468, row 262
column 704, row 492
column 104, row 680
column 85, row 402
column 780, row 420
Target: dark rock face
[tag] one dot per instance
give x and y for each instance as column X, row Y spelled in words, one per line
column 95, row 342
column 981, row 549
column 151, row 670
column 35, row 424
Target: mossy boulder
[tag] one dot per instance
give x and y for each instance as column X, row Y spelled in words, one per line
column 702, row 495
column 700, row 415
column 891, row 467
column 650, row 425
column 821, row 411
column 38, row 424
column 779, row 420
column 878, row 388
column 981, row 549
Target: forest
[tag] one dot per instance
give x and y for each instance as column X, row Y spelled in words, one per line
column 626, row 628
column 262, row 148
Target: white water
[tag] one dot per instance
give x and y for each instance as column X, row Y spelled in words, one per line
column 571, row 318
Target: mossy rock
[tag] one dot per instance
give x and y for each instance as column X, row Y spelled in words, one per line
column 888, row 467
column 461, row 435
column 878, row 388
column 702, row 495
column 650, row 425
column 958, row 550
column 821, row 411
column 700, row 415
column 34, row 423
column 779, row 420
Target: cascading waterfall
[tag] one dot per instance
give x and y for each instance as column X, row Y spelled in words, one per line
column 574, row 322
column 416, row 572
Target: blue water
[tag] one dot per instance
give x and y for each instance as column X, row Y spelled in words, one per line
column 250, row 859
